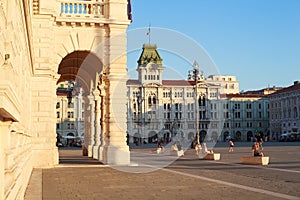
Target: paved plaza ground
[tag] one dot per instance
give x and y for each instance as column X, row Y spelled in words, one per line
column 164, row 177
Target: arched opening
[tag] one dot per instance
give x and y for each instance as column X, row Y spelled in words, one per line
column 80, row 66
column 167, row 137
column 152, row 137
column 79, row 76
column 137, row 139
column 238, row 136
column 191, row 136
column 214, row 136
column 70, row 139
column 180, row 134
column 250, row 136
column 202, row 135
column 226, row 136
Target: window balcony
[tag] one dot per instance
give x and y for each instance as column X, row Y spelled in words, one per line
column 81, row 11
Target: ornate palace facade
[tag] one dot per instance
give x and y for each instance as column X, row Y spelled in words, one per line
column 163, row 109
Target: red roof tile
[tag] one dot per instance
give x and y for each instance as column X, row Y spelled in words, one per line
column 294, row 87
column 132, row 82
column 178, row 82
column 165, row 82
column 244, row 95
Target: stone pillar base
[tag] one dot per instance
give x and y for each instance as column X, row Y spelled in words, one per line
column 84, row 151
column 95, row 152
column 113, row 155
column 45, row 158
column 90, row 150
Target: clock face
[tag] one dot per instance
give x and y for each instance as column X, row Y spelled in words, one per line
column 152, row 66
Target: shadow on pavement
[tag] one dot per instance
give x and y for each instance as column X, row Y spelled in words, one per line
column 74, row 157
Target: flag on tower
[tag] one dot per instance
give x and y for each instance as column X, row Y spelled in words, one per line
column 148, row 32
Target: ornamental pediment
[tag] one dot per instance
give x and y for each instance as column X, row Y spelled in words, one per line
column 152, row 84
column 202, row 85
column 207, row 85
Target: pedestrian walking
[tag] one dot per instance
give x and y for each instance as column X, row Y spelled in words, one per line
column 231, row 144
column 197, row 148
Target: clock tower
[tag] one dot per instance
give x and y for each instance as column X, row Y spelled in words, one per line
column 150, row 65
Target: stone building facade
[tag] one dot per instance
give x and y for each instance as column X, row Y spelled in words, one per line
column 70, row 115
column 229, row 83
column 163, row 109
column 285, row 111
column 246, row 116
column 44, row 42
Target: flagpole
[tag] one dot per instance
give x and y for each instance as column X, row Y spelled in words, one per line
column 148, row 33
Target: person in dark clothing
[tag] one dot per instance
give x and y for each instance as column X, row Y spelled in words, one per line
column 255, row 150
column 260, row 141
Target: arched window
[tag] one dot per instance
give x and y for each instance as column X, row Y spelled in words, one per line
column 295, row 112
column 154, row 100
column 149, row 100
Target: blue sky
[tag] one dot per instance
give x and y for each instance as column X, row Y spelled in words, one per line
column 256, row 40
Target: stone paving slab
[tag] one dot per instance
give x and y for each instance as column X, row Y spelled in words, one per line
column 34, row 189
column 108, row 183
column 80, row 177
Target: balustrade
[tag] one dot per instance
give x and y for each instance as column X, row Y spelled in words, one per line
column 82, row 8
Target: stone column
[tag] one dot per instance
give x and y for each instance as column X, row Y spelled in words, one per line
column 104, row 125
column 91, row 125
column 115, row 150
column 97, row 124
column 87, row 129
column 45, row 152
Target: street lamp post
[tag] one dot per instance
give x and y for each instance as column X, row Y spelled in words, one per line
column 194, row 75
column 62, row 121
column 233, row 125
column 62, row 118
column 140, row 100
